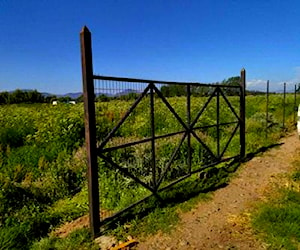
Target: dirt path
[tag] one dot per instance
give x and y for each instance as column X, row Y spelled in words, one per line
column 222, row 222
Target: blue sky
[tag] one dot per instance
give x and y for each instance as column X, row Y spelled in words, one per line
column 202, row 41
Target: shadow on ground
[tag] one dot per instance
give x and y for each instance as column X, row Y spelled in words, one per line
column 210, row 179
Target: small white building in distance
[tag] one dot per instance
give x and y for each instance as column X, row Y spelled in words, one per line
column 54, row 103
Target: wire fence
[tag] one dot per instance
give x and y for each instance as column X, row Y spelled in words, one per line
column 148, row 135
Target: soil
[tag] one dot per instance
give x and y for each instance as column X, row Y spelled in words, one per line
column 224, row 221
column 81, row 222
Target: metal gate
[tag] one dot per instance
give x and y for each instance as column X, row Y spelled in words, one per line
column 186, row 130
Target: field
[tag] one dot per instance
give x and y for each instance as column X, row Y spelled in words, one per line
column 43, row 166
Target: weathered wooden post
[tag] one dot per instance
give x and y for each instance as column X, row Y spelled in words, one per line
column 242, row 114
column 90, row 129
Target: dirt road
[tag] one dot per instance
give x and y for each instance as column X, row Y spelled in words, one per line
column 222, row 222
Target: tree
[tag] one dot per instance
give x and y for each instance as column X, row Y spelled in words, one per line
column 201, row 90
column 20, row 96
column 79, row 98
column 102, row 98
column 17, row 96
column 50, row 98
column 33, row 97
column 4, row 97
column 65, row 99
column 173, row 90
column 232, row 81
column 128, row 97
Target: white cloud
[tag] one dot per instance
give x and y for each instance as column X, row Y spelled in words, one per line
column 256, row 83
column 261, row 84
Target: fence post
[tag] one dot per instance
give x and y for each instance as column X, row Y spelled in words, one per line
column 218, row 122
column 267, row 109
column 90, row 129
column 295, row 104
column 152, row 120
column 188, row 119
column 284, row 92
column 242, row 114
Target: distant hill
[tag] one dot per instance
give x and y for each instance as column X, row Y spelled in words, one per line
column 45, row 94
column 72, row 95
column 78, row 94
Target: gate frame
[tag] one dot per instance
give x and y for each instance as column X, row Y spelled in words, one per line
column 90, row 125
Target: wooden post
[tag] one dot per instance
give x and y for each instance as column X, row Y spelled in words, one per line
column 242, row 114
column 90, row 129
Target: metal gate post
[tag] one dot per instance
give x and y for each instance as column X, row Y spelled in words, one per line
column 284, row 97
column 295, row 105
column 90, row 129
column 267, row 108
column 242, row 114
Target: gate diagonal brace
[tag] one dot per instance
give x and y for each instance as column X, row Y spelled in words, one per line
column 129, row 111
column 126, row 172
column 229, row 105
column 203, row 108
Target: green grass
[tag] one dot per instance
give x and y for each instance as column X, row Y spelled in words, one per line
column 43, row 164
column 154, row 214
column 163, row 214
column 145, row 219
column 277, row 221
column 78, row 239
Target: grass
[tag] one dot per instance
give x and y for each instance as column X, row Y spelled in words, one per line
column 146, row 219
column 163, row 214
column 43, row 166
column 152, row 216
column 78, row 239
column 277, row 221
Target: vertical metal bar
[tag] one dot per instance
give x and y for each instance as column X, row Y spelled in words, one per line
column 267, row 109
column 90, row 129
column 153, row 136
column 218, row 123
column 188, row 118
column 295, row 104
column 284, row 94
column 242, row 114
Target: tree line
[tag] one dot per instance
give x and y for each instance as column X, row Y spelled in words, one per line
column 33, row 96
column 30, row 96
column 180, row 90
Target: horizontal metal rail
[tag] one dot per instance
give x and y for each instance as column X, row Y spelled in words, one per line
column 129, row 144
column 104, row 150
column 125, row 79
column 214, row 125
